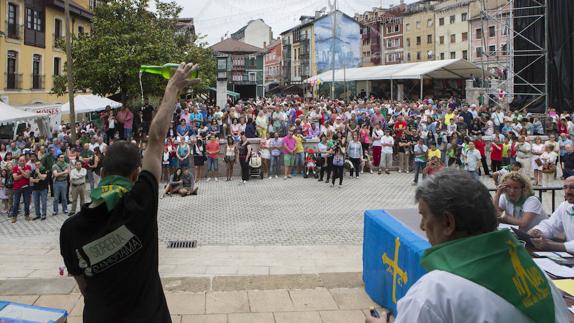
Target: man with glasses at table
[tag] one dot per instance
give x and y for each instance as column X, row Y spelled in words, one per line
column 560, row 223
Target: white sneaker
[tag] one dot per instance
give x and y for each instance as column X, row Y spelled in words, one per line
column 270, row 177
column 216, row 179
column 285, row 178
column 244, row 182
column 208, row 179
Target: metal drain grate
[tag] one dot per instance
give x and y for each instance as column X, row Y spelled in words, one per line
column 182, row 244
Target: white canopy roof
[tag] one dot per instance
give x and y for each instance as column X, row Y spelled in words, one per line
column 10, row 114
column 89, row 103
column 442, row 69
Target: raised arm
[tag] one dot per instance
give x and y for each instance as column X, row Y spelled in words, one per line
column 160, row 123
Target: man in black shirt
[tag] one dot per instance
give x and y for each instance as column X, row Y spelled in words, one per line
column 147, row 111
column 111, row 245
column 39, row 180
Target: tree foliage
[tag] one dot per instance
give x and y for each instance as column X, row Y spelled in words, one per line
column 126, row 35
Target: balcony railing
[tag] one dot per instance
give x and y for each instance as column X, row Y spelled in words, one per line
column 13, row 81
column 37, row 82
column 57, row 40
column 14, row 31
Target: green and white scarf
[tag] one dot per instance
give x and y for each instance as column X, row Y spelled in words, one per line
column 499, row 263
column 110, row 190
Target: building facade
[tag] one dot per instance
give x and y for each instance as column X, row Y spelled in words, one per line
column 296, row 51
column 419, row 32
column 371, row 36
column 272, row 68
column 30, row 48
column 244, row 67
column 452, row 29
column 256, row 33
column 392, row 36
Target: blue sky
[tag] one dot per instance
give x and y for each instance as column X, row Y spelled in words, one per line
column 215, row 18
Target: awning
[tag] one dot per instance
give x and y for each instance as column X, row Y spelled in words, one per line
column 89, row 103
column 229, row 93
column 10, row 114
column 442, row 69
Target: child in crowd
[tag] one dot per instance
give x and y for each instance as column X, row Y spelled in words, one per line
column 514, row 167
column 311, row 163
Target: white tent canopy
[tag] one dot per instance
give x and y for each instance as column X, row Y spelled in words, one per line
column 10, row 114
column 442, row 69
column 89, row 103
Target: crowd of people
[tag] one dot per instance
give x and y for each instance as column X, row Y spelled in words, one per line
column 290, row 136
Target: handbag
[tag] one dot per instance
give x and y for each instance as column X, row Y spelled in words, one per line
column 538, row 162
column 549, row 169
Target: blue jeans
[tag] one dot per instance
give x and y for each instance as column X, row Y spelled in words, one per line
column 419, row 166
column 21, row 192
column 473, row 174
column 60, row 191
column 40, row 198
column 274, row 168
column 299, row 159
column 127, row 134
column 212, row 165
column 90, row 177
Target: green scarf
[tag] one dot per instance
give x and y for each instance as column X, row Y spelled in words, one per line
column 484, row 259
column 110, row 190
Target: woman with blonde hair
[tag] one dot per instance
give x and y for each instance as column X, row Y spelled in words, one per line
column 516, row 204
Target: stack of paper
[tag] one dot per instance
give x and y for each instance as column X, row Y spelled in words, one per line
column 553, row 268
column 565, row 285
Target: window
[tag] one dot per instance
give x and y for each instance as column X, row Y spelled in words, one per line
column 505, row 30
column 464, row 36
column 80, row 30
column 408, row 42
column 453, row 38
column 429, row 23
column 11, row 77
column 504, row 49
column 34, row 20
column 93, row 4
column 57, row 29
column 441, row 40
column 418, row 56
column 429, row 39
column 452, row 55
column 34, row 24
column 452, row 19
column 409, row 57
column 418, row 25
column 389, row 43
column 479, row 52
column 57, row 63
column 36, row 77
column 252, row 76
column 418, row 40
column 441, row 21
column 478, row 33
column 429, row 54
column 13, row 30
column 441, row 55
column 492, row 50
column 463, row 16
column 408, row 27
column 491, row 31
column 465, row 54
column 397, row 28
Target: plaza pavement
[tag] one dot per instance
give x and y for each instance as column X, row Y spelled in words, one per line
column 268, row 251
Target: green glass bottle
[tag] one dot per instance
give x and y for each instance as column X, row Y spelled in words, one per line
column 166, row 70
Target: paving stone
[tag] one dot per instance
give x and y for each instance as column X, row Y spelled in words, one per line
column 266, row 282
column 188, row 284
column 22, row 299
column 352, row 298
column 342, row 316
column 251, row 318
column 312, row 299
column 270, row 301
column 65, row 302
column 186, row 303
column 175, row 318
column 75, row 319
column 342, row 280
column 297, row 317
column 78, row 310
column 37, row 286
column 209, row 318
column 227, row 302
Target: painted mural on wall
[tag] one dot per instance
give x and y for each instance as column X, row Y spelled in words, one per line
column 347, row 44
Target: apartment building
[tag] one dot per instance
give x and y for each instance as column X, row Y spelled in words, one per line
column 452, row 29
column 419, row 32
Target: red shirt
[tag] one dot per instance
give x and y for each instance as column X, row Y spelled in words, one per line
column 22, row 182
column 479, row 144
column 212, row 145
column 400, row 127
column 496, row 153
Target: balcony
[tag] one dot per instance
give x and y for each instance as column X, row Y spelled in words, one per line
column 57, row 40
column 14, row 31
column 37, row 81
column 13, row 81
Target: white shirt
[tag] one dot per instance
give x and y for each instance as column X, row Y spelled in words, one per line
column 472, row 159
column 78, row 177
column 443, row 297
column 377, row 135
column 560, row 222
column 531, row 205
column 387, row 140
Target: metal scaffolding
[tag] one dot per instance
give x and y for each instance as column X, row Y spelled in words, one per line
column 508, row 15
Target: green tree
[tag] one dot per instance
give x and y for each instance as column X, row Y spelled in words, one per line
column 125, row 35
